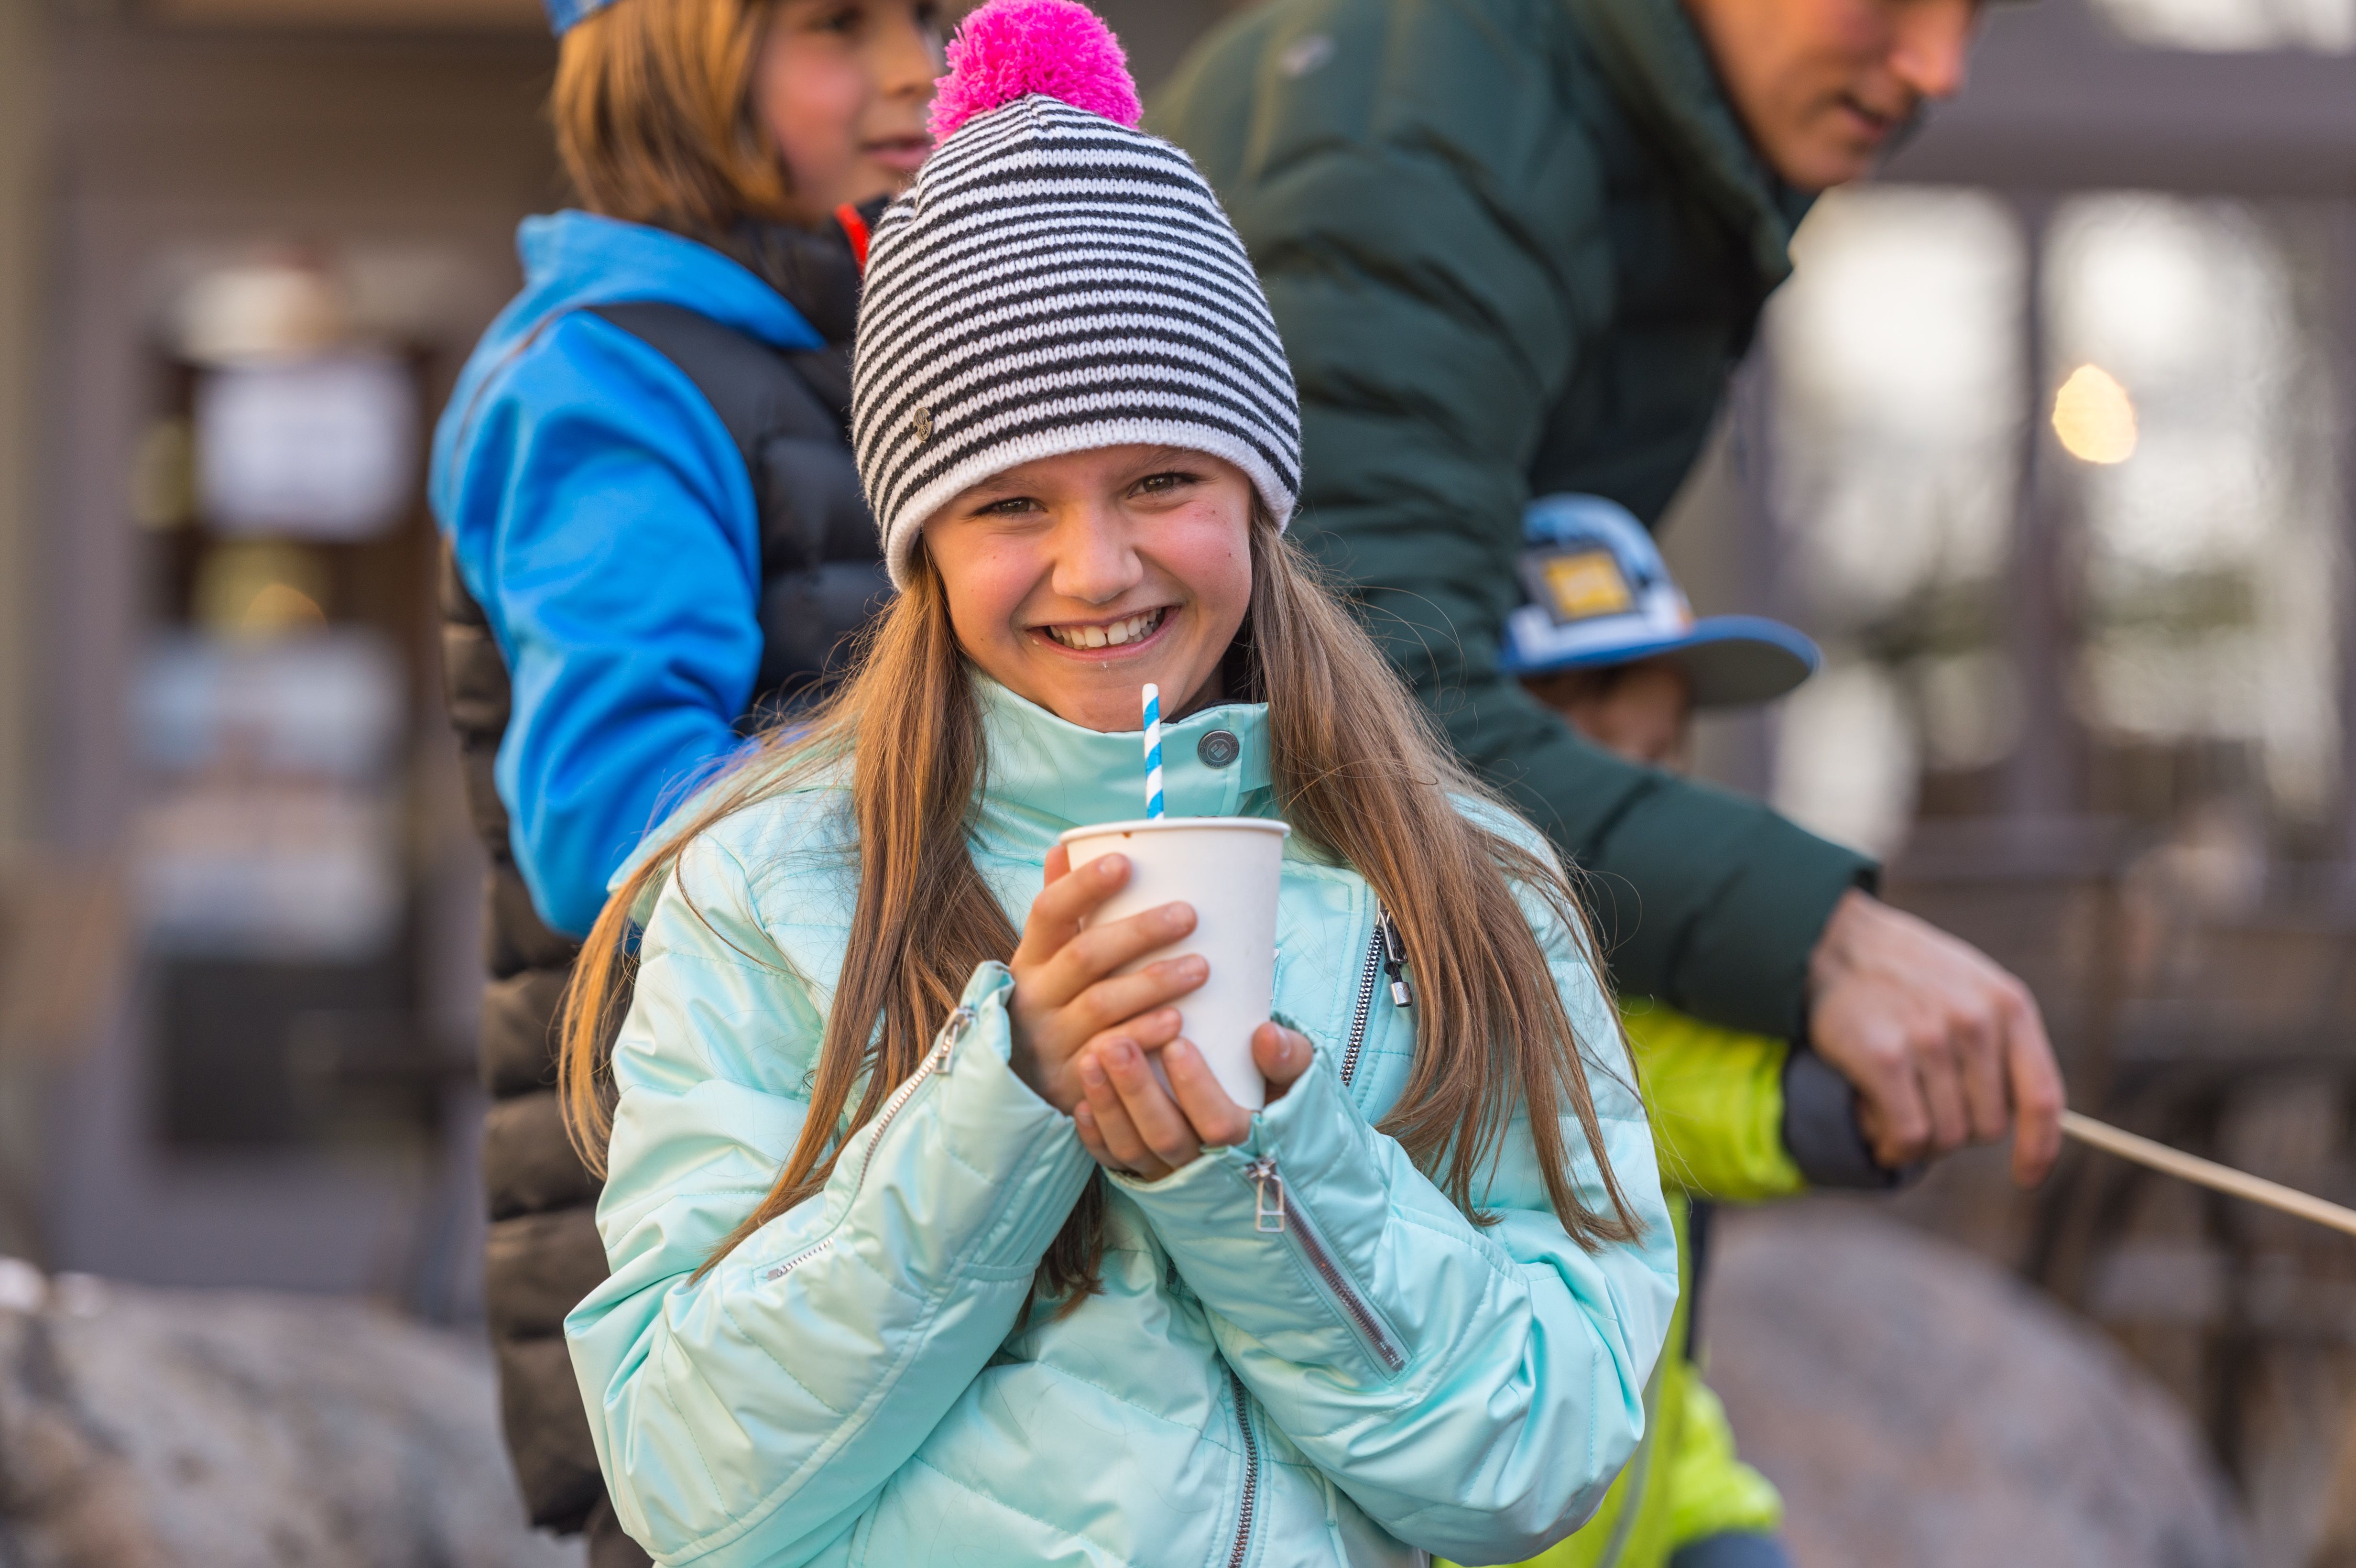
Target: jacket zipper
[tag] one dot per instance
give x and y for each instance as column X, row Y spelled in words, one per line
column 943, row 1043
column 1251, row 1473
column 771, row 1276
column 1387, row 932
column 1284, row 1216
column 1366, row 1003
column 1385, row 954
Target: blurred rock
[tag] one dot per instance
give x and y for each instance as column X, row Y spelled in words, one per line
column 184, row 1429
column 1919, row 1407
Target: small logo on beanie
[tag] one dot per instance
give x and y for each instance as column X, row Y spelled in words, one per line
column 924, row 426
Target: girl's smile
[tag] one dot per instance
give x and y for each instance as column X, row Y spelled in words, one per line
column 1115, row 639
column 1072, row 581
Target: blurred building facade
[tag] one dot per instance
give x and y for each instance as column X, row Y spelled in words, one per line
column 256, row 258
column 245, row 245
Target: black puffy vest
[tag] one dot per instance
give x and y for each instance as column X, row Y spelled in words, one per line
column 822, row 577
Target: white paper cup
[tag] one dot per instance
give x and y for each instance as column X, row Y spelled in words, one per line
column 1228, row 868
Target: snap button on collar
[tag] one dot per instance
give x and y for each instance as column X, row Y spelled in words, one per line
column 1219, row 748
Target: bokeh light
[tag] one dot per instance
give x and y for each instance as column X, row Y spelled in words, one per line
column 2094, row 417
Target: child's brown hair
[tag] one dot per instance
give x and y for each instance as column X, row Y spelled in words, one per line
column 655, row 118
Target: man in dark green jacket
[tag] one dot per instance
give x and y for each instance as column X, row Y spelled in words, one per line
column 1516, row 247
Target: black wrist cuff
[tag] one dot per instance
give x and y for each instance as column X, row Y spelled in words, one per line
column 1820, row 1131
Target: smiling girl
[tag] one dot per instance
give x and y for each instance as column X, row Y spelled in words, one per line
column 654, row 530
column 915, row 1257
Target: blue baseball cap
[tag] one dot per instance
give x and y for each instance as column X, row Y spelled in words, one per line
column 564, row 14
column 1599, row 594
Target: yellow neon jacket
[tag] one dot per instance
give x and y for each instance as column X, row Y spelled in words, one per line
column 1716, row 1098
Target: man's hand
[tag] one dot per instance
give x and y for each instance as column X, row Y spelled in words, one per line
column 1945, row 1047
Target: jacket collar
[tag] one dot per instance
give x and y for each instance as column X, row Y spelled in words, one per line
column 1667, row 84
column 1047, row 774
column 574, row 259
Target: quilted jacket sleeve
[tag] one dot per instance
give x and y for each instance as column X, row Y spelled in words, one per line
column 751, row 1414
column 1475, row 1390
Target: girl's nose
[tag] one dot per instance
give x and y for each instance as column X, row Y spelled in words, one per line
column 1094, row 562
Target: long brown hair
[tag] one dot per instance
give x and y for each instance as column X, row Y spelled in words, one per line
column 1357, row 771
column 655, row 118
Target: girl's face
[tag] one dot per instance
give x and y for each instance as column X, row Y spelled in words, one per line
column 1074, row 580
column 842, row 87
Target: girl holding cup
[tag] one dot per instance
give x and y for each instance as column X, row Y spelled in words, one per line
column 915, row 1256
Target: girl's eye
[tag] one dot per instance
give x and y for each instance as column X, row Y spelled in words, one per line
column 1012, row 507
column 838, row 19
column 1165, row 484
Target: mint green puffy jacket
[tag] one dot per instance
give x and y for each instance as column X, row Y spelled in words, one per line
column 1368, row 1378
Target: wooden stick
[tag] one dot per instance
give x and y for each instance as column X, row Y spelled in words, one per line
column 2207, row 1173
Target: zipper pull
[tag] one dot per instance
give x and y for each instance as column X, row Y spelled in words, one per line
column 952, row 1031
column 1395, row 960
column 1265, row 1217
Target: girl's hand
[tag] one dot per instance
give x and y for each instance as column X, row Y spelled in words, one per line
column 1131, row 1124
column 1064, row 1000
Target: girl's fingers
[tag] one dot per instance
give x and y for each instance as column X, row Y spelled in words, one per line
column 1150, row 1031
column 1160, row 1124
column 1111, row 1118
column 1095, row 952
column 1055, row 915
column 1282, row 1055
column 1084, row 1122
column 1112, row 1002
column 1212, row 1119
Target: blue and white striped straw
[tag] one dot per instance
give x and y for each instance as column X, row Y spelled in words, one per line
column 1152, row 752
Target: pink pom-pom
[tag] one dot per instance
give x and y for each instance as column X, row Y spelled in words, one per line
column 1010, row 48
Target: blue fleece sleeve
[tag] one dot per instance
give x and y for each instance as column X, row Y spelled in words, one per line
column 605, row 523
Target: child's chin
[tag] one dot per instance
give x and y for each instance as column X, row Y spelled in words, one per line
column 1106, row 698
column 1107, row 712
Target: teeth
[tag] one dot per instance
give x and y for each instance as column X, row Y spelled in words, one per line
column 1114, row 636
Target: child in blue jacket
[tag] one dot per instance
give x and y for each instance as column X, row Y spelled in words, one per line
column 916, row 1259
column 656, row 534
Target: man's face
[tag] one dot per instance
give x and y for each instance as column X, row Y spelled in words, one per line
column 1821, row 85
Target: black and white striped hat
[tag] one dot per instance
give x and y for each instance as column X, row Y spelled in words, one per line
column 1057, row 281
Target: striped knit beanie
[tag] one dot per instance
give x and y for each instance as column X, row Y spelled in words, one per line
column 1057, row 281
